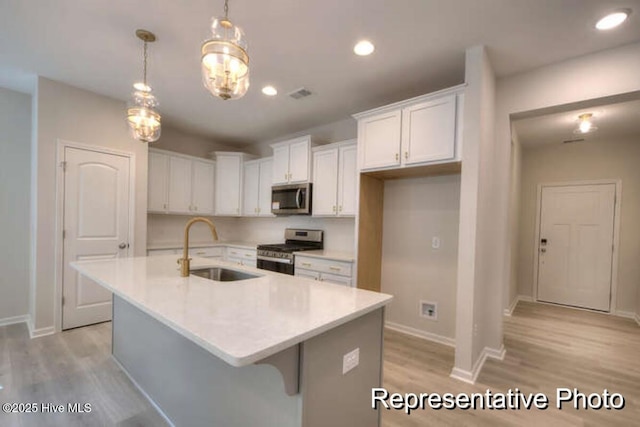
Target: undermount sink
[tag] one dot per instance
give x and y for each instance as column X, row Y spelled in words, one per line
column 221, row 274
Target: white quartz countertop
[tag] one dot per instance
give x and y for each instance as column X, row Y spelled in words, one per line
column 240, row 322
column 176, row 245
column 334, row 255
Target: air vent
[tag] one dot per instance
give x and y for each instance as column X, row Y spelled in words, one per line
column 300, row 93
column 570, row 141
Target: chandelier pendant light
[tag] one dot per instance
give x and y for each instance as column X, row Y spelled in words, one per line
column 585, row 124
column 142, row 114
column 225, row 62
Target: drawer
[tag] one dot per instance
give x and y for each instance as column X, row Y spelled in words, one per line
column 339, row 268
column 247, row 254
column 335, row 279
column 308, row 274
column 213, row 252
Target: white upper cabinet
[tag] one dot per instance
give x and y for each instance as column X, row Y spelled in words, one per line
column 419, row 131
column 257, row 188
column 158, row 191
column 180, row 184
column 292, row 161
column 229, row 177
column 334, row 179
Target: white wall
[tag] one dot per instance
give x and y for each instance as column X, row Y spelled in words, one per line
column 415, row 211
column 174, row 139
column 479, row 297
column 606, row 73
column 15, row 177
column 72, row 114
column 590, row 160
column 514, row 220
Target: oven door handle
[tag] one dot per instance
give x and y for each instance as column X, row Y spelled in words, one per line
column 278, row 260
column 298, row 201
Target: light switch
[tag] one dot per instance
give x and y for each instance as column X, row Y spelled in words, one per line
column 435, row 242
column 350, row 360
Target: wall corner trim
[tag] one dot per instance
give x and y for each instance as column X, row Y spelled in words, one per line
column 440, row 339
column 471, row 376
column 13, row 320
column 42, row 332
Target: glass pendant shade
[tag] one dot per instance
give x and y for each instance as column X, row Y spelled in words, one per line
column 143, row 116
column 225, row 62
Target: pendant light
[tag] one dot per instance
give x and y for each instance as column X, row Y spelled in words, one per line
column 142, row 115
column 585, row 124
column 225, row 62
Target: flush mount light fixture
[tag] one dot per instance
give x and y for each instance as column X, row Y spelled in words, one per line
column 613, row 19
column 585, row 124
column 363, row 48
column 142, row 116
column 225, row 62
column 269, row 90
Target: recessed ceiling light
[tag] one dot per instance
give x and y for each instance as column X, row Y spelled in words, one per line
column 613, row 19
column 364, row 48
column 270, row 90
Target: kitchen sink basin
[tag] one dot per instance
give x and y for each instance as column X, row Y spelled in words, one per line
column 221, row 274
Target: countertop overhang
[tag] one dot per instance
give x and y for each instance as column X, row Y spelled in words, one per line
column 240, row 322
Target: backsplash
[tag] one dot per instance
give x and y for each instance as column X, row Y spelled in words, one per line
column 339, row 232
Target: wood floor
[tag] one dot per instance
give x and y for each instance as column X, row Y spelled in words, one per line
column 547, row 347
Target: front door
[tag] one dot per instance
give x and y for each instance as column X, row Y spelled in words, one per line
column 96, row 226
column 575, row 245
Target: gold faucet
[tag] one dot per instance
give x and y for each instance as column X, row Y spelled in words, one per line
column 185, row 261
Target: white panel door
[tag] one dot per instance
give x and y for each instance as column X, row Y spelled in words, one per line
column 158, row 191
column 429, row 131
column 347, row 180
column 325, row 183
column 228, row 185
column 264, row 189
column 96, row 224
column 576, row 245
column 379, row 140
column 179, row 185
column 299, row 157
column 281, row 164
column 203, row 176
column 251, row 187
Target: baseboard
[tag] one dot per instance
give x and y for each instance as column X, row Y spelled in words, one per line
column 509, row 310
column 471, row 376
column 525, row 298
column 440, row 339
column 625, row 314
column 42, row 332
column 141, row 390
column 13, row 320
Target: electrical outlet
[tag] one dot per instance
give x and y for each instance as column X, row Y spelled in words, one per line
column 435, row 243
column 350, row 360
column 429, row 310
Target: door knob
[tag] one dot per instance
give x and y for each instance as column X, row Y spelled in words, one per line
column 123, row 245
column 543, row 250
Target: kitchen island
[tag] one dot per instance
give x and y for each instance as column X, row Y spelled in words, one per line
column 265, row 351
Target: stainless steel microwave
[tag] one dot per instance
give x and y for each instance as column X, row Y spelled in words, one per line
column 293, row 199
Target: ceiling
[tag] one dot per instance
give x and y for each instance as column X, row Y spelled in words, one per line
column 420, row 47
column 614, row 121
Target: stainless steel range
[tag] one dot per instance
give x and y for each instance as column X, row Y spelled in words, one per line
column 279, row 257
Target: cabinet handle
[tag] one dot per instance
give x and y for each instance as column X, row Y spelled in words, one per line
column 195, row 208
column 335, row 269
column 200, row 253
column 305, row 264
column 234, row 253
column 406, row 155
column 258, row 210
column 397, row 157
column 340, row 209
column 285, row 176
column 247, row 255
column 334, row 208
column 165, row 206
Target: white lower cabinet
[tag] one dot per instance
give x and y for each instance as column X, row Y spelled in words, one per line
column 241, row 256
column 324, row 270
column 213, row 252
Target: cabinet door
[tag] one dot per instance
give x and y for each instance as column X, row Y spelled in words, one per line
column 179, row 185
column 299, row 159
column 379, row 140
column 347, row 180
column 158, row 191
column 429, row 131
column 228, row 185
column 264, row 188
column 250, row 189
column 281, row 164
column 325, row 182
column 202, row 187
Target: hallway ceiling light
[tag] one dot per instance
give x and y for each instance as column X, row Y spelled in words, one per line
column 613, row 19
column 142, row 116
column 269, row 90
column 225, row 62
column 364, row 48
column 585, row 124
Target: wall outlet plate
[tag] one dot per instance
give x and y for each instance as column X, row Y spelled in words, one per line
column 435, row 243
column 350, row 360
